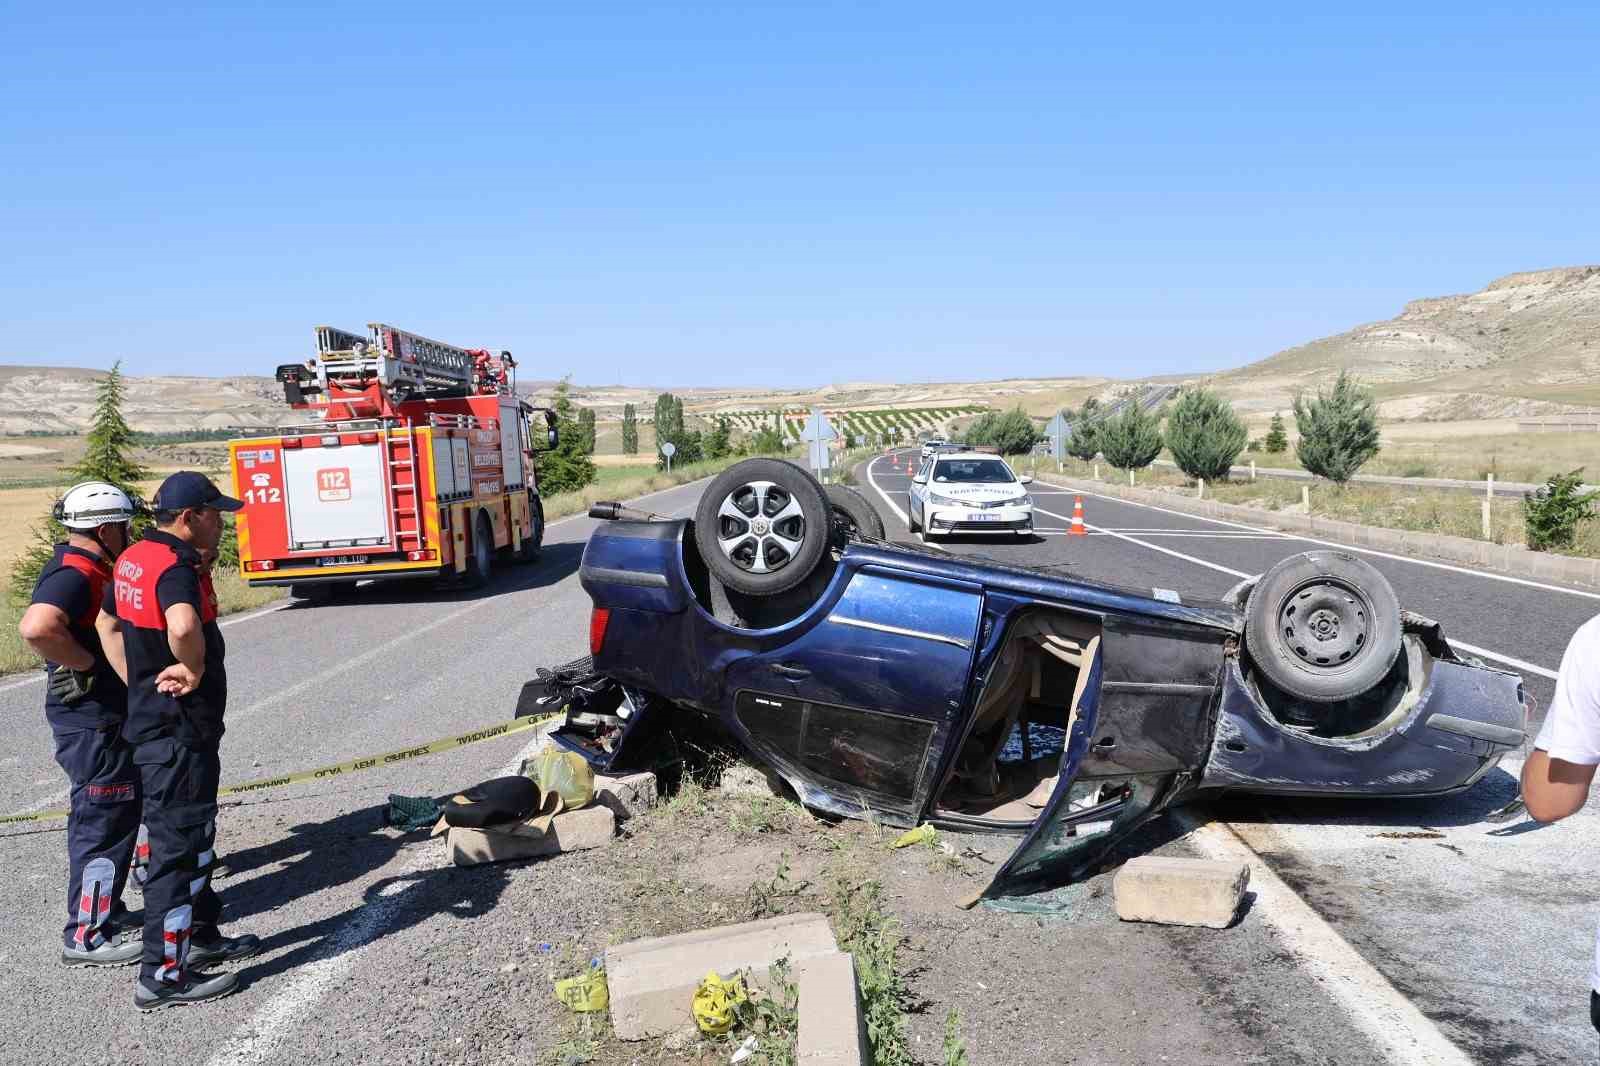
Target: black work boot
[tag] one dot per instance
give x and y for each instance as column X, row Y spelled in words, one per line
column 208, row 947
column 194, row 988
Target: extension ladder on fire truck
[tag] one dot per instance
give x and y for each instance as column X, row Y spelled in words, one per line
column 400, row 459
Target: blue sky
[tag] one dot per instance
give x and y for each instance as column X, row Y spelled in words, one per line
column 777, row 194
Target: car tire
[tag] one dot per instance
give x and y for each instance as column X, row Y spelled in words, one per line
column 534, row 541
column 762, row 526
column 480, row 553
column 853, row 516
column 1323, row 626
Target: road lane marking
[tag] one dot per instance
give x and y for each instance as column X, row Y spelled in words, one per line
column 1395, row 1025
column 1520, row 664
column 1352, row 548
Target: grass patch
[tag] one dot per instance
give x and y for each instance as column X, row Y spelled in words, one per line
column 867, row 931
column 1422, row 510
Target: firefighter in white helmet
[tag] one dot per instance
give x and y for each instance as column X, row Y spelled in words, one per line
column 86, row 705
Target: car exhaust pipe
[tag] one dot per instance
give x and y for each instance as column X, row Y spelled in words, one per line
column 611, row 511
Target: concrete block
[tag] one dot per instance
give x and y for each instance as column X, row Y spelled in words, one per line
column 1174, row 891
column 628, row 795
column 831, row 1032
column 592, row 827
column 652, row 981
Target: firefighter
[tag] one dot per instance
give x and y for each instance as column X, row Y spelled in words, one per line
column 161, row 614
column 85, row 704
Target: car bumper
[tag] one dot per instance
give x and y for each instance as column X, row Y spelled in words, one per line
column 976, row 520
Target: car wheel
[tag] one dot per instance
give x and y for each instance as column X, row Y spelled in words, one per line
column 1323, row 626
column 534, row 541
column 762, row 525
column 853, row 516
column 480, row 556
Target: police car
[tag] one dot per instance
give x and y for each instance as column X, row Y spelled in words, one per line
column 969, row 492
column 931, row 445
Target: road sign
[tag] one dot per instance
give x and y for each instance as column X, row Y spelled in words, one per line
column 669, row 449
column 817, row 433
column 1057, row 432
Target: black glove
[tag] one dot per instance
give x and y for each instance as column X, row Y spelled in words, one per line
column 71, row 686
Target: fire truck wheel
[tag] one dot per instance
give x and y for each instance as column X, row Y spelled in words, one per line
column 482, row 553
column 535, row 538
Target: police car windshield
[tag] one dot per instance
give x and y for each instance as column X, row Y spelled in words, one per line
column 980, row 471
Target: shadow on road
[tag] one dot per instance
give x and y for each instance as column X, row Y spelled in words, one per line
column 1496, row 789
column 327, row 856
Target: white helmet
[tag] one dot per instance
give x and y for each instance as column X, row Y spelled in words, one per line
column 92, row 504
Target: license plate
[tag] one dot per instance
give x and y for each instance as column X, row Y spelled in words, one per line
column 983, row 516
column 341, row 560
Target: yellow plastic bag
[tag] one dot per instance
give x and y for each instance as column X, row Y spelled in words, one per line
column 715, row 1000
column 922, row 834
column 586, row 992
column 566, row 774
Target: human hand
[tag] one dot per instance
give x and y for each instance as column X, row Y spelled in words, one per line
column 177, row 680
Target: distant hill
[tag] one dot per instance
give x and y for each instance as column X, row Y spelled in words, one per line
column 1526, row 343
column 61, row 400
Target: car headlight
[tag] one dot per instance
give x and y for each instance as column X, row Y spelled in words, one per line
column 1023, row 501
column 942, row 501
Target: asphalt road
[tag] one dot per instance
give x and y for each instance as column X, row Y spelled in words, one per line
column 1487, row 933
column 1487, row 928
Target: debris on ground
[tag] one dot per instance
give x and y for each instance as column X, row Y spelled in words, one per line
column 922, row 834
column 533, row 838
column 410, row 813
column 1176, row 891
column 586, row 992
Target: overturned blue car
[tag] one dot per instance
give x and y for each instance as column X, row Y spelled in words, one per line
column 909, row 685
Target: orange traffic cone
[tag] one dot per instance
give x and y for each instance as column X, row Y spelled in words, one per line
column 1077, row 529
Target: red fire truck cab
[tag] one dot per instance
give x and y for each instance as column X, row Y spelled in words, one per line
column 418, row 461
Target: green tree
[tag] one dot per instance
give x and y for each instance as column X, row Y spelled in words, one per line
column 1204, row 434
column 567, row 466
column 767, row 440
column 719, row 442
column 1338, row 429
column 1276, row 439
column 586, row 429
column 108, row 457
column 1552, row 513
column 630, row 430
column 1130, row 440
column 1084, row 442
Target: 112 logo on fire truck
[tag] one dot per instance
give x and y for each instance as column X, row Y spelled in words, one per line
column 333, row 484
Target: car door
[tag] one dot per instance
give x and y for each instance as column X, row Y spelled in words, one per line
column 855, row 711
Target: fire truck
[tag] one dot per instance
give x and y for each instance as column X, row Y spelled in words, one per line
column 417, row 461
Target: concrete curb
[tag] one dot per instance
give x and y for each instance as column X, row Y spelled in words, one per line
column 1508, row 559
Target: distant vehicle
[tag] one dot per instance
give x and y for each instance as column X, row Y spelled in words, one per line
column 908, row 685
column 969, row 492
column 418, row 463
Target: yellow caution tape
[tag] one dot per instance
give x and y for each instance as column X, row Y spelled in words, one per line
column 586, row 992
column 715, row 1000
column 323, row 773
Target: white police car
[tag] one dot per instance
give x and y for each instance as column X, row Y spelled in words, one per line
column 931, row 445
column 969, row 492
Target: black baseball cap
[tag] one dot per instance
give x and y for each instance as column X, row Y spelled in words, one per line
column 190, row 488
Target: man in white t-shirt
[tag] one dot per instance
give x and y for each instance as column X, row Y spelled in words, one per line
column 1557, row 776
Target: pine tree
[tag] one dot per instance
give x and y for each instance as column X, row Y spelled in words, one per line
column 719, row 442
column 630, row 430
column 108, row 457
column 1132, row 439
column 567, row 466
column 1204, row 434
column 1338, row 429
column 1276, row 439
column 1084, row 442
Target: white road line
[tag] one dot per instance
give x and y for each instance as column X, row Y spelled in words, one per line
column 1401, row 1032
column 1470, row 648
column 1363, row 551
column 283, row 1012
